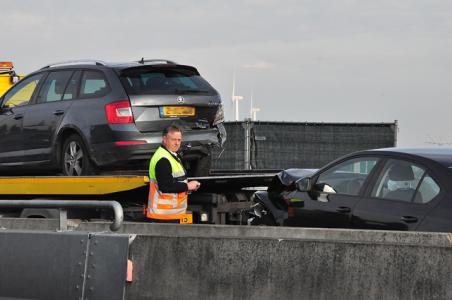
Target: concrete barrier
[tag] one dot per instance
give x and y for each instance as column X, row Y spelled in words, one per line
column 240, row 262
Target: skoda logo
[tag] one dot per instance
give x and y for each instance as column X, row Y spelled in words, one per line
column 180, row 99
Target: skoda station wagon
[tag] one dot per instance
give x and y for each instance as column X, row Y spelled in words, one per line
column 85, row 117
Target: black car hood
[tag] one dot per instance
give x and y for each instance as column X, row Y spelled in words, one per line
column 288, row 176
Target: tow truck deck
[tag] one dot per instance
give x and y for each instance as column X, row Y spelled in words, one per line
column 219, row 200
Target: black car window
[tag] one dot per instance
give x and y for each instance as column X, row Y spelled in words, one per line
column 346, row 177
column 72, row 87
column 93, row 84
column 22, row 93
column 54, row 86
column 151, row 80
column 399, row 180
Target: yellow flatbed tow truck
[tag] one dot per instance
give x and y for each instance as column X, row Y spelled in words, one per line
column 220, row 199
column 130, row 191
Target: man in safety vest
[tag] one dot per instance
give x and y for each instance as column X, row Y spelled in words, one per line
column 169, row 186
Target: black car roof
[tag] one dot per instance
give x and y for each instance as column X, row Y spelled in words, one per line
column 116, row 65
column 440, row 155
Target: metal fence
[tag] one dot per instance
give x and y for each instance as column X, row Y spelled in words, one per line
column 282, row 145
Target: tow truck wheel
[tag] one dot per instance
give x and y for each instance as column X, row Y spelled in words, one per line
column 75, row 159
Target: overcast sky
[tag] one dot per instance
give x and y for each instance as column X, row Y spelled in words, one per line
column 304, row 60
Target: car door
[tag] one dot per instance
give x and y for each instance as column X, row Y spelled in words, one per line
column 335, row 192
column 43, row 117
column 13, row 108
column 399, row 199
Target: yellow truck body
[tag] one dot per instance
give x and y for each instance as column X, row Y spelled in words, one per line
column 7, row 76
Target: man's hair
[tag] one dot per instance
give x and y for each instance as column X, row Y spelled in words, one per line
column 171, row 128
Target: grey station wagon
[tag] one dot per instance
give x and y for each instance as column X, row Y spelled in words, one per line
column 86, row 117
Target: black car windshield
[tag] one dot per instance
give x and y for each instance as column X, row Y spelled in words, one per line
column 152, row 80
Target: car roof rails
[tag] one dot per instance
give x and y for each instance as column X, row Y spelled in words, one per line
column 76, row 62
column 155, row 61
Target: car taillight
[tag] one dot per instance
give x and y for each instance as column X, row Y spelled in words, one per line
column 128, row 143
column 119, row 112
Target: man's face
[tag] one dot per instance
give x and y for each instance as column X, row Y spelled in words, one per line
column 172, row 140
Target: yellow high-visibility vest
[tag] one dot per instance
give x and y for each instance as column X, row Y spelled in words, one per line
column 165, row 206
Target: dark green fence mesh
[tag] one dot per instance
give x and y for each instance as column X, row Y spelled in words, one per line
column 277, row 145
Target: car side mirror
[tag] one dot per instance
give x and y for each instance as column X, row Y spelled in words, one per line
column 303, row 184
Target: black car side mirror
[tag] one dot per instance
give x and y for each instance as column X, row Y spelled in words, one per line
column 303, row 184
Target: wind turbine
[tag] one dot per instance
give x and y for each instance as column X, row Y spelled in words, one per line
column 235, row 98
column 253, row 110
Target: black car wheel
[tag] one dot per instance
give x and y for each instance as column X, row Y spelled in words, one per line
column 75, row 158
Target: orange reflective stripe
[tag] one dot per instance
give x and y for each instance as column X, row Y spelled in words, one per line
column 165, row 196
column 181, row 198
column 152, row 192
column 164, row 206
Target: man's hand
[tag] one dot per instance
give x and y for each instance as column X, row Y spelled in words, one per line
column 193, row 185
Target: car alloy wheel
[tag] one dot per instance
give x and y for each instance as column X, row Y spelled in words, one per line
column 73, row 159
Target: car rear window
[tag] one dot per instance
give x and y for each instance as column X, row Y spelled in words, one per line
column 151, row 80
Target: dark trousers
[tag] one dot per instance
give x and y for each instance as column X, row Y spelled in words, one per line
column 163, row 221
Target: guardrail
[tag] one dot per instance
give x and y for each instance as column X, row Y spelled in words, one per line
column 62, row 205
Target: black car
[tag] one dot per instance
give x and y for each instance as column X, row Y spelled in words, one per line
column 82, row 117
column 388, row 189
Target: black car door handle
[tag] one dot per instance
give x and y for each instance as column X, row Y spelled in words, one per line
column 18, row 116
column 343, row 209
column 58, row 112
column 409, row 219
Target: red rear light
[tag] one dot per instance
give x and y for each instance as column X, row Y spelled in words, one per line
column 119, row 112
column 127, row 143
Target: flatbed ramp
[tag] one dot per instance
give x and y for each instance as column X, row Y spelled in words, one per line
column 101, row 185
column 59, row 185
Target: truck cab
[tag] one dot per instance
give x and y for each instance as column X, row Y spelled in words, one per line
column 8, row 76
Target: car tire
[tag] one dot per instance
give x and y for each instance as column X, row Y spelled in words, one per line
column 75, row 159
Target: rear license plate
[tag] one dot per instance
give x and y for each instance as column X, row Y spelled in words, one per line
column 177, row 111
